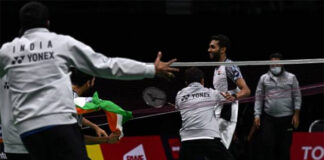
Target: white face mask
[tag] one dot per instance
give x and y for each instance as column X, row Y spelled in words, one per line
column 275, row 70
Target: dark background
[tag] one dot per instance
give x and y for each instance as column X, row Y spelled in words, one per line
column 138, row 29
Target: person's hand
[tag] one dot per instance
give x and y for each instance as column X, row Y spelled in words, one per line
column 249, row 137
column 228, row 96
column 257, row 122
column 114, row 137
column 163, row 69
column 295, row 121
column 100, row 132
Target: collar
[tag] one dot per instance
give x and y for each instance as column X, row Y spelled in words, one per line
column 195, row 84
column 32, row 30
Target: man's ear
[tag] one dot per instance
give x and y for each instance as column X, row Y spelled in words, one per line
column 48, row 24
column 93, row 81
column 202, row 81
column 223, row 49
column 88, row 83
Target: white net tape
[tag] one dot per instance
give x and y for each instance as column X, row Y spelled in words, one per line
column 248, row 63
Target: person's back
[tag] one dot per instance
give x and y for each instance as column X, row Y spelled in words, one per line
column 39, row 78
column 197, row 105
column 37, row 66
column 200, row 138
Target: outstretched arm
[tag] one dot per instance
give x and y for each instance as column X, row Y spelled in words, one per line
column 85, row 59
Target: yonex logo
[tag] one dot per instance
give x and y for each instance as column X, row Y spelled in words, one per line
column 6, row 85
column 185, row 97
column 18, row 59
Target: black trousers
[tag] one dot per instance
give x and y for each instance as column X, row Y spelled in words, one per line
column 276, row 137
column 17, row 156
column 62, row 142
column 204, row 149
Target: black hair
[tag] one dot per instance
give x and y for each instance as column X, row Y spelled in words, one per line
column 32, row 15
column 276, row 55
column 193, row 74
column 79, row 78
column 223, row 41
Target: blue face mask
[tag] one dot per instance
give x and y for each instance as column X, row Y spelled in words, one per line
column 275, row 70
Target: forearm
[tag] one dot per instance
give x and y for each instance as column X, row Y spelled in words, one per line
column 244, row 92
column 86, row 122
column 95, row 140
column 85, row 59
column 297, row 112
column 244, row 89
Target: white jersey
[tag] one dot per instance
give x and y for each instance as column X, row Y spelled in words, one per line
column 224, row 79
column 37, row 65
column 11, row 139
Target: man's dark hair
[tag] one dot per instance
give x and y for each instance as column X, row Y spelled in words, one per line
column 79, row 78
column 193, row 74
column 223, row 41
column 276, row 55
column 32, row 15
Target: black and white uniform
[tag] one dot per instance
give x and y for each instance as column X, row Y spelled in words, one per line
column 225, row 80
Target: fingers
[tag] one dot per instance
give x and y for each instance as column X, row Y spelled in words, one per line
column 117, row 132
column 257, row 125
column 104, row 134
column 158, row 57
column 163, row 68
column 173, row 69
column 257, row 122
column 113, row 138
column 225, row 94
column 295, row 123
column 228, row 96
column 171, row 61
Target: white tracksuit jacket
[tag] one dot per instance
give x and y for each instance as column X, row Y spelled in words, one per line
column 197, row 106
column 11, row 139
column 37, row 67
